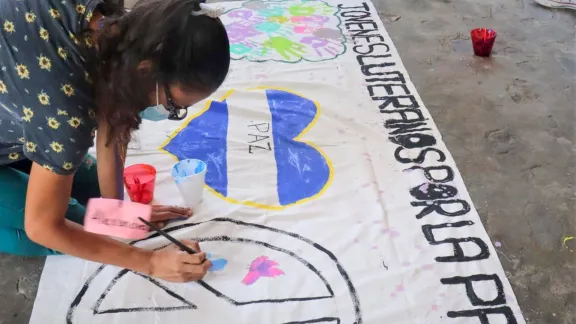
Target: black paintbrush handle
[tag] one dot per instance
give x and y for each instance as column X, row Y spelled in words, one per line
column 167, row 236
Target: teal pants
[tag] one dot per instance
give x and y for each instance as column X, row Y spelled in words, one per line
column 13, row 185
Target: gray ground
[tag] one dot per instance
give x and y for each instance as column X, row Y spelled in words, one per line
column 509, row 123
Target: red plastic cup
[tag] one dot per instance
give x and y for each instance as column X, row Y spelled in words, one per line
column 482, row 41
column 140, row 180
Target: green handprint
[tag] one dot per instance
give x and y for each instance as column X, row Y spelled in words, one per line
column 284, row 47
column 301, row 10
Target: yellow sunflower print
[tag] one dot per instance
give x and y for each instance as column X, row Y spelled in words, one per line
column 44, row 34
column 44, row 98
column 45, row 63
column 89, row 16
column 62, row 53
column 88, row 42
column 3, row 88
column 68, row 90
column 14, row 156
column 31, row 147
column 9, row 26
column 92, row 113
column 80, row 9
column 21, row 140
column 53, row 123
column 23, row 72
column 54, row 13
column 28, row 114
column 30, row 17
column 62, row 112
column 74, row 122
column 57, row 147
column 67, row 166
column 47, row 167
column 73, row 38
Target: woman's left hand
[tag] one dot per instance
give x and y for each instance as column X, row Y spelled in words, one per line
column 161, row 214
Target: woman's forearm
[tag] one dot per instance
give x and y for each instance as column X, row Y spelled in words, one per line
column 69, row 238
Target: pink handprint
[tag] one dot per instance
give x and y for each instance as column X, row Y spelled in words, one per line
column 314, row 19
column 304, row 29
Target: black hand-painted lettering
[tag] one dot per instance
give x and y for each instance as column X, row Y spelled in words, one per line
column 268, row 147
column 459, row 255
column 397, row 75
column 389, row 88
column 258, row 138
column 363, row 6
column 404, row 128
column 437, row 206
column 472, row 296
column 482, row 314
column 360, row 25
column 395, row 102
column 421, row 156
column 355, row 15
column 406, row 116
column 370, row 50
column 432, row 191
column 266, row 127
column 415, row 140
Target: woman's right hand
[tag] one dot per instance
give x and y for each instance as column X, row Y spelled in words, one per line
column 175, row 265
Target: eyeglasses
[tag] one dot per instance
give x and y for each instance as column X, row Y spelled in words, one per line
column 176, row 112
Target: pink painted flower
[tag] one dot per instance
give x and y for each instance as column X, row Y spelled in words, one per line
column 261, row 267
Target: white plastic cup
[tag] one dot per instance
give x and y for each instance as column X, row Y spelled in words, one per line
column 190, row 176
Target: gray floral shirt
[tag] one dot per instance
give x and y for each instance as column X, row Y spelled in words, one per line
column 47, row 110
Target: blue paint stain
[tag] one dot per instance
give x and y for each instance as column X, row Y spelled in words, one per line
column 239, row 49
column 187, row 168
column 267, row 27
column 217, row 264
column 301, row 170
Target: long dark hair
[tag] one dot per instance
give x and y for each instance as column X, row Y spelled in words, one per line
column 190, row 50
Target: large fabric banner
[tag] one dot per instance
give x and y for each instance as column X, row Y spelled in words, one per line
column 330, row 196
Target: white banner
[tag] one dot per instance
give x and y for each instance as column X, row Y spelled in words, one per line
column 330, row 196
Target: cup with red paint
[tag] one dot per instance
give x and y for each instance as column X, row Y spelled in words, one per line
column 482, row 41
column 140, row 181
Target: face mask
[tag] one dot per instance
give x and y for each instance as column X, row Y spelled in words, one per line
column 155, row 113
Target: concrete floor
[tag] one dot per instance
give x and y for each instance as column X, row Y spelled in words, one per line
column 509, row 123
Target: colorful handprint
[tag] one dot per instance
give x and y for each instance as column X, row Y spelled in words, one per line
column 284, row 31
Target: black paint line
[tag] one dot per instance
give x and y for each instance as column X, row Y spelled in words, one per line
column 343, row 272
column 262, row 301
column 345, row 276
column 318, row 320
column 145, row 309
column 108, row 288
column 272, row 247
column 121, row 274
column 81, row 294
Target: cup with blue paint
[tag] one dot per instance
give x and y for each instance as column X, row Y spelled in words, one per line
column 190, row 176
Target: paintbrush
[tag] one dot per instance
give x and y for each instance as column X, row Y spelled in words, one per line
column 167, row 236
